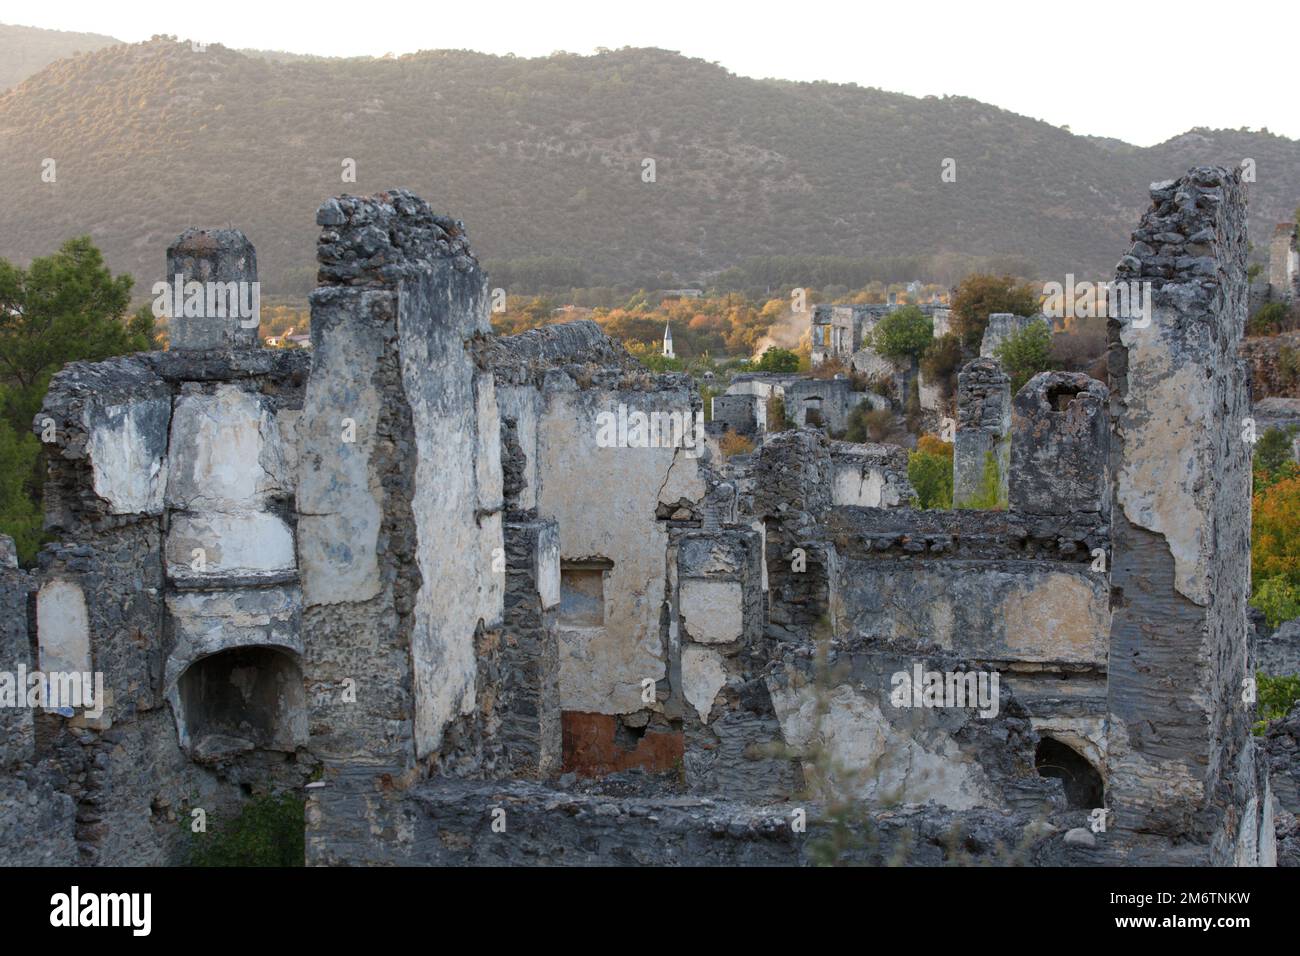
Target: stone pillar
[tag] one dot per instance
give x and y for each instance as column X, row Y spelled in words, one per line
column 219, row 297
column 1180, row 755
column 1060, row 443
column 1284, row 263
column 400, row 491
column 982, row 450
column 528, row 662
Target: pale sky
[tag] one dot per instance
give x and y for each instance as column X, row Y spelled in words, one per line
column 1101, row 67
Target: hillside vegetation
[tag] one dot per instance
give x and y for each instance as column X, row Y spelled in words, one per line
column 544, row 160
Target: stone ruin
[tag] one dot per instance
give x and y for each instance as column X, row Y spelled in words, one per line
column 439, row 583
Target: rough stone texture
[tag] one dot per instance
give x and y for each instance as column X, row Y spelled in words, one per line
column 450, row 823
column 612, row 505
column 400, row 491
column 1284, row 263
column 114, row 591
column 430, row 580
column 527, row 695
column 17, row 728
column 210, row 256
column 737, row 412
column 1278, row 653
column 1181, row 762
column 1282, row 751
column 983, row 439
column 1060, row 445
column 1002, row 326
column 870, row 475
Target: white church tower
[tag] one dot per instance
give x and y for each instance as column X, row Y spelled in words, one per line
column 668, row 341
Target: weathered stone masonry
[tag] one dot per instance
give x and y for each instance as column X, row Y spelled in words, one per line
column 484, row 635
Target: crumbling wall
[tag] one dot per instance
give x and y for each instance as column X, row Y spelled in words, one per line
column 870, row 475
column 982, row 447
column 38, row 818
column 400, row 490
column 1284, row 263
column 614, row 491
column 1002, row 326
column 1181, row 759
column 1060, row 446
column 733, row 741
column 169, row 490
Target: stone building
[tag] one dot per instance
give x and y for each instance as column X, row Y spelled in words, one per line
column 490, row 600
column 1284, row 263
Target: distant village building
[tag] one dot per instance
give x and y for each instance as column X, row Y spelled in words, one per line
column 682, row 293
column 668, row 341
column 1284, row 263
column 289, row 340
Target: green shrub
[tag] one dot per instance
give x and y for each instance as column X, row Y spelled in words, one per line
column 777, row 360
column 1274, row 698
column 903, row 334
column 1026, row 353
column 941, row 361
column 931, row 477
column 1278, row 599
column 20, row 517
column 1288, row 366
column 991, row 495
column 1273, row 451
column 268, row 831
column 1270, row 319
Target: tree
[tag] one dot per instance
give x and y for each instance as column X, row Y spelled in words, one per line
column 903, row 334
column 20, row 518
column 980, row 295
column 63, row 308
column 1275, row 534
column 867, row 424
column 940, row 362
column 777, row 360
column 1026, row 353
column 929, row 469
column 1273, row 452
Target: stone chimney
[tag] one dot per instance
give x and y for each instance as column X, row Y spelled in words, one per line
column 212, row 298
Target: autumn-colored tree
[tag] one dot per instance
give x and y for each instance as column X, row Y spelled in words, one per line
column 980, row 295
column 1275, row 536
column 733, row 443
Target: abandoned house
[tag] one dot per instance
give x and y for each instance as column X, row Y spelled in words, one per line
column 401, row 575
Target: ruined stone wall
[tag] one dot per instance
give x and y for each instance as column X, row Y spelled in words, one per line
column 733, row 745
column 400, row 491
column 1181, row 760
column 38, row 814
column 870, row 475
column 169, row 492
column 1060, row 444
column 982, row 446
column 1284, row 264
column 1002, row 326
column 736, row 412
column 569, row 396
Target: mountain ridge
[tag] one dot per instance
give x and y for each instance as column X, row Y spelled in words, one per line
column 545, row 157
